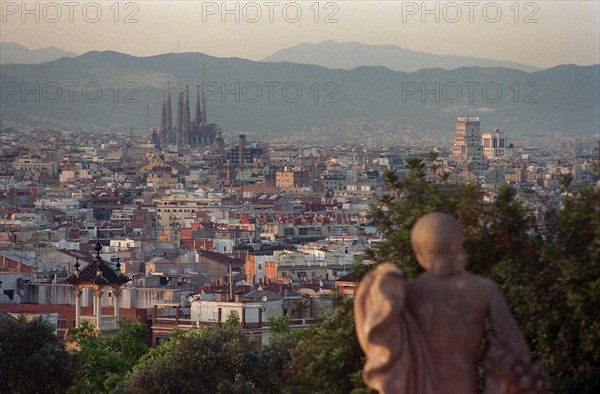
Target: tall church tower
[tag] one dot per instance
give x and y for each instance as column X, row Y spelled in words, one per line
column 186, row 116
column 186, row 130
column 198, row 114
column 171, row 138
column 163, row 122
column 179, row 118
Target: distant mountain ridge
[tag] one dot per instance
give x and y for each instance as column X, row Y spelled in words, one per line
column 12, row 52
column 350, row 55
column 109, row 91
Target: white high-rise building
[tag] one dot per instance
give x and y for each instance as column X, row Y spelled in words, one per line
column 467, row 145
column 495, row 145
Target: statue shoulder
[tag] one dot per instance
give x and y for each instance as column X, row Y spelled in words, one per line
column 387, row 279
column 484, row 283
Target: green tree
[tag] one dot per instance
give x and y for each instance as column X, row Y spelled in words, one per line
column 105, row 361
column 276, row 355
column 595, row 165
column 279, row 325
column 328, row 359
column 214, row 359
column 567, row 334
column 432, row 158
column 408, row 199
column 33, row 358
column 565, row 181
column 233, row 319
column 302, row 306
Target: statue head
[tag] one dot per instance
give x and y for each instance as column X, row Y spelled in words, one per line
column 437, row 242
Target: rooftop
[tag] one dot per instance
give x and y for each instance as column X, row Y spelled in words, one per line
column 97, row 272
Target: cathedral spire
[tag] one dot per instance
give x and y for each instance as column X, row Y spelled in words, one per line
column 171, row 139
column 198, row 115
column 179, row 117
column 163, row 121
column 186, row 116
column 203, row 122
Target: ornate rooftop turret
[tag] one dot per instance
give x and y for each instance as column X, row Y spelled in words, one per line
column 97, row 272
column 98, row 275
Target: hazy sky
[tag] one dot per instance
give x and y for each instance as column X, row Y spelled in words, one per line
column 540, row 33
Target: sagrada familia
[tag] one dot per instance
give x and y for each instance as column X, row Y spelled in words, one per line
column 187, row 132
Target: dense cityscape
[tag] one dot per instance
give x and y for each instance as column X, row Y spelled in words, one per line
column 232, row 226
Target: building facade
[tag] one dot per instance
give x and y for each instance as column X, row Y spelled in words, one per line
column 467, row 145
column 495, row 145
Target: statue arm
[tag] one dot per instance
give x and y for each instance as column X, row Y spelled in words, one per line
column 505, row 328
column 378, row 304
column 397, row 360
column 508, row 360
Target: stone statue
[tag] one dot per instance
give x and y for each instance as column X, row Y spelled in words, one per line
column 425, row 336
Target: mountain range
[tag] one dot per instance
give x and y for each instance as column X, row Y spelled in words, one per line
column 266, row 100
column 350, row 55
column 12, row 52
